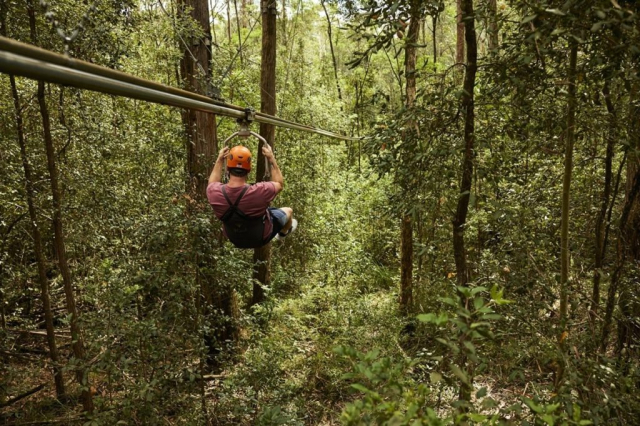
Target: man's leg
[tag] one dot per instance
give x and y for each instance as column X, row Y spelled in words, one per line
column 289, row 212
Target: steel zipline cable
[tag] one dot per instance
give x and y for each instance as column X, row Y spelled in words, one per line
column 25, row 60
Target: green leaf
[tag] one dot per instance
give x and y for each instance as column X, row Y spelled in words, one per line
column 435, row 377
column 361, row 388
column 475, row 417
column 482, row 392
column 459, row 374
column 478, row 303
column 548, row 418
column 556, row 12
column 533, row 406
column 528, row 19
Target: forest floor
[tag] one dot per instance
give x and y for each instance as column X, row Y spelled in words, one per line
column 290, row 372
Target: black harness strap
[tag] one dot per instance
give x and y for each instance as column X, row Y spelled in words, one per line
column 243, row 231
column 233, row 207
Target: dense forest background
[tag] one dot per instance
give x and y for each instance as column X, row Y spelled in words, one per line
column 473, row 259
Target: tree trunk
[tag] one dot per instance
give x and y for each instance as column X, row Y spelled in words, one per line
column 460, row 218
column 606, row 195
column 460, row 27
column 262, row 255
column 60, row 247
column 410, row 58
column 566, row 188
column 333, row 55
column 37, row 242
column 202, row 144
column 628, row 329
column 434, row 21
column 492, row 27
column 202, row 147
column 632, row 197
column 35, row 230
column 244, row 22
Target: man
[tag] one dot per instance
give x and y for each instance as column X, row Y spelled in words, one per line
column 244, row 210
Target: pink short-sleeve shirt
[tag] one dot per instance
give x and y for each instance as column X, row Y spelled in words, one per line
column 254, row 202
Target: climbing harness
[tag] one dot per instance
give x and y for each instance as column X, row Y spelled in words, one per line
column 244, row 132
column 243, row 231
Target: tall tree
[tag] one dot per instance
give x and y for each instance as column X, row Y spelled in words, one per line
column 460, row 218
column 606, row 195
column 195, row 70
column 202, row 147
column 492, row 24
column 406, row 230
column 60, row 245
column 37, row 238
column 468, row 107
column 566, row 185
column 460, row 28
column 333, row 53
column 262, row 255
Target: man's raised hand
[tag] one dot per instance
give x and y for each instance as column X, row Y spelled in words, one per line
column 224, row 153
column 267, row 151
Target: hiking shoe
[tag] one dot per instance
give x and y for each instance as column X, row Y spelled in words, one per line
column 294, row 225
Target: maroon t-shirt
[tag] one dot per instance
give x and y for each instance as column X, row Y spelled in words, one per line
column 254, row 203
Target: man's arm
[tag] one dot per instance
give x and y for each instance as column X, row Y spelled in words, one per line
column 216, row 173
column 276, row 174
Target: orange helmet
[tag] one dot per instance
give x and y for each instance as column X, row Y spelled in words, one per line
column 239, row 158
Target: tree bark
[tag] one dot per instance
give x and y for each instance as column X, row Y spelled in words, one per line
column 628, row 329
column 492, row 27
column 202, row 147
column 333, row 55
column 434, row 21
column 410, row 59
column 566, row 187
column 460, row 28
column 632, row 197
column 35, row 230
column 460, row 218
column 606, row 195
column 262, row 255
column 200, row 127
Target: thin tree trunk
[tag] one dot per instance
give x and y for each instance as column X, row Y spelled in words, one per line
column 606, row 195
column 37, row 242
column 628, row 330
column 244, row 22
column 462, row 209
column 60, row 246
column 460, row 27
column 492, row 27
column 333, row 55
column 262, row 255
column 617, row 273
column 35, row 230
column 460, row 218
column 410, row 59
column 566, row 188
column 238, row 26
column 434, row 20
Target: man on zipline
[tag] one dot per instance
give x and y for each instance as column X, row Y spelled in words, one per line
column 244, row 210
